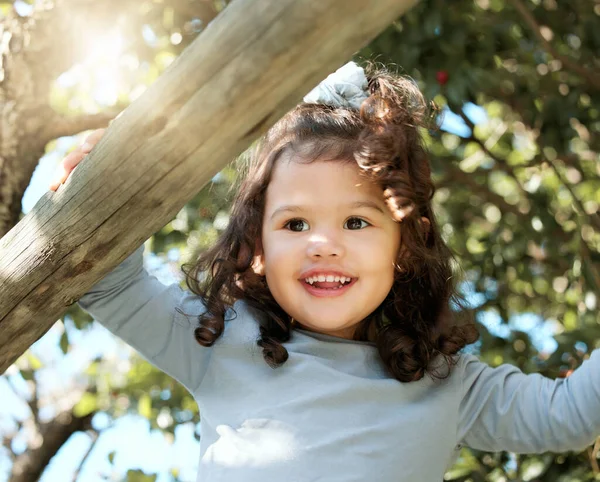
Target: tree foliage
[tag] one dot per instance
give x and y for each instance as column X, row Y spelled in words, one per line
column 519, row 188
column 518, row 194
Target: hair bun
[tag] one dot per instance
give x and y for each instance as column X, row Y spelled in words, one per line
column 376, row 109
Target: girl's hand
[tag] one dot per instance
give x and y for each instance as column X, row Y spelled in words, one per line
column 71, row 161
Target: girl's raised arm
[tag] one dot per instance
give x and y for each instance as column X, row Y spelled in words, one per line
column 140, row 309
column 149, row 316
column 504, row 409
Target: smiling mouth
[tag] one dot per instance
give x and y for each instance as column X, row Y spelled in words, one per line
column 328, row 288
column 330, row 285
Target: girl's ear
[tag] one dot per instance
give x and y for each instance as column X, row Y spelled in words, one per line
column 258, row 263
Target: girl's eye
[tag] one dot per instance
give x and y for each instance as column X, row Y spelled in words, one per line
column 356, row 223
column 296, row 225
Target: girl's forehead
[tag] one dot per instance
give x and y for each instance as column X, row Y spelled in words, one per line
column 325, row 178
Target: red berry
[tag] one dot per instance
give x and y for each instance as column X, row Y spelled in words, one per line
column 442, row 77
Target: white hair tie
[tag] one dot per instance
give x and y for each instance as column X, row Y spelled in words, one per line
column 346, row 87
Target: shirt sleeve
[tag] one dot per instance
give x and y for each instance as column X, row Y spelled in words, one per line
column 151, row 317
column 505, row 409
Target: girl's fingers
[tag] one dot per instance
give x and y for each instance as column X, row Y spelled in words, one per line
column 72, row 159
column 66, row 166
column 75, row 157
column 92, row 140
column 60, row 178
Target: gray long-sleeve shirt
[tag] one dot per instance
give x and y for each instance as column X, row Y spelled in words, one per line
column 331, row 413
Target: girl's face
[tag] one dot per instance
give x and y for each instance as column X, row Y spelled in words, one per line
column 323, row 222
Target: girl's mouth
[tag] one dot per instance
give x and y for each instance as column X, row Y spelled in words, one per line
column 328, row 289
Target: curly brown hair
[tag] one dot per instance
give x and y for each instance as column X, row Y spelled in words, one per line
column 416, row 323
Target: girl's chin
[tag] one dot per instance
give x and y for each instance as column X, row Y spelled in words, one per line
column 332, row 329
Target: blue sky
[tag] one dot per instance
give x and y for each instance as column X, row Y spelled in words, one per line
column 137, row 446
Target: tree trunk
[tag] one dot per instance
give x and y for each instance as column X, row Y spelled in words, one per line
column 31, row 57
column 29, row 465
column 251, row 65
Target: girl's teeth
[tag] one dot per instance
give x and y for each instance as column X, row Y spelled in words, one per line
column 328, row 278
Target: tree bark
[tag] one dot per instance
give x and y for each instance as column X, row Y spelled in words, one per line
column 31, row 57
column 29, row 466
column 250, row 65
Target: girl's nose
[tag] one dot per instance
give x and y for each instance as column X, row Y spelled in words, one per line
column 324, row 246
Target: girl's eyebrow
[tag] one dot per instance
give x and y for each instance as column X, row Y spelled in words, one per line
column 352, row 205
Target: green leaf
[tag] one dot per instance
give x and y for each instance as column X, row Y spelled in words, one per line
column 570, row 320
column 139, row 476
column 64, row 342
column 85, row 406
column 34, row 362
column 145, row 406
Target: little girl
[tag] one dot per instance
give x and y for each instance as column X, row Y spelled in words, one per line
column 318, row 337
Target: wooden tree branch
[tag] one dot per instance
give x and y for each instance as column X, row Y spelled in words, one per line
column 94, row 439
column 29, row 465
column 7, row 444
column 34, row 404
column 591, row 77
column 586, row 254
column 250, row 65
